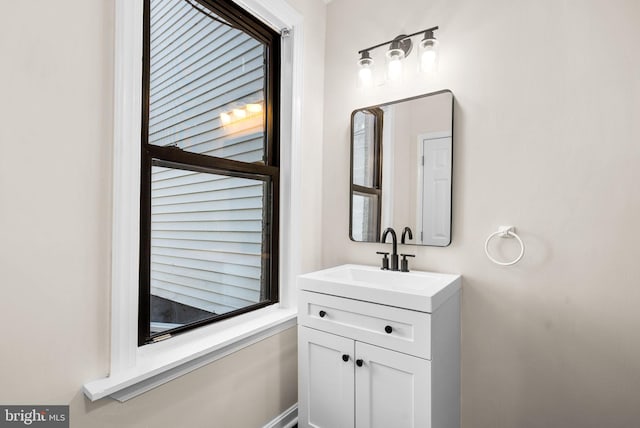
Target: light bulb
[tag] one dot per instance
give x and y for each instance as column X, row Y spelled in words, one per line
column 395, row 55
column 365, row 71
column 254, row 108
column 225, row 118
column 428, row 53
column 365, row 75
column 428, row 60
column 394, row 68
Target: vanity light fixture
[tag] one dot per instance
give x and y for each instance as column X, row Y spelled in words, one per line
column 399, row 50
column 240, row 113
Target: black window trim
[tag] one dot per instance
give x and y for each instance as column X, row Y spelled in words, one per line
column 376, row 186
column 269, row 172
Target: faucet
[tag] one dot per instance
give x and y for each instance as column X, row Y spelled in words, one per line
column 394, row 254
column 406, row 230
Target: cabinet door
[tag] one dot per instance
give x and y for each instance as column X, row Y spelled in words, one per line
column 392, row 389
column 326, row 381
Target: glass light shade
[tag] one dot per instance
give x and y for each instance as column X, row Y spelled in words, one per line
column 428, row 55
column 394, row 64
column 365, row 70
column 365, row 75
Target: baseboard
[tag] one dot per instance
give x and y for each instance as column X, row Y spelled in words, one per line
column 286, row 419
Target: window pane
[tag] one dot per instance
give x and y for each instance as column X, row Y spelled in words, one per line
column 207, row 234
column 364, row 217
column 363, row 149
column 206, row 85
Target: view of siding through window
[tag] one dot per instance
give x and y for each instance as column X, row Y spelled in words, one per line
column 364, row 205
column 207, row 97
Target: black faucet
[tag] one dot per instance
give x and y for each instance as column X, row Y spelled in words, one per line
column 404, row 233
column 394, row 254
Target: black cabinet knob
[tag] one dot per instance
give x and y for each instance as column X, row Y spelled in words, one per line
column 359, row 363
column 345, row 357
column 388, row 329
column 322, row 314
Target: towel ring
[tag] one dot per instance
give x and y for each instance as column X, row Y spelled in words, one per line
column 504, row 232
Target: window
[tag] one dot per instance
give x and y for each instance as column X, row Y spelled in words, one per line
column 366, row 175
column 136, row 369
column 209, row 166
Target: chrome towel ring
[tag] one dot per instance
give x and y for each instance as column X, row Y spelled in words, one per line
column 504, row 232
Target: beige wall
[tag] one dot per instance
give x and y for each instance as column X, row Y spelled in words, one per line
column 547, row 138
column 56, row 84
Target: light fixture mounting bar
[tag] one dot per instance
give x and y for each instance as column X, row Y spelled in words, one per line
column 389, row 41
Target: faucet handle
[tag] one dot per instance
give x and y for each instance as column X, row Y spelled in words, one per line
column 404, row 264
column 385, row 260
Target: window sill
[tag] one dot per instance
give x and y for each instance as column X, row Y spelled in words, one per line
column 161, row 362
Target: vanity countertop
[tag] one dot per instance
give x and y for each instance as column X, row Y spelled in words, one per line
column 416, row 290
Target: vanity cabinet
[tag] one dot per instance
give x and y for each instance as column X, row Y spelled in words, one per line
column 364, row 365
column 328, row 400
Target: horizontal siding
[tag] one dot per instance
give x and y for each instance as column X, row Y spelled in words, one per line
column 208, row 216
column 218, row 143
column 222, row 236
column 217, row 246
column 239, row 272
column 209, row 226
column 187, row 117
column 213, row 190
column 216, row 72
column 214, row 265
column 171, row 292
column 226, row 205
column 207, row 229
column 224, row 294
column 231, row 257
column 201, row 68
column 238, row 286
column 167, row 188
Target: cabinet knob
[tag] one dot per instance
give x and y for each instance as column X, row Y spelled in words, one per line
column 345, row 357
column 359, row 363
column 322, row 314
column 388, row 329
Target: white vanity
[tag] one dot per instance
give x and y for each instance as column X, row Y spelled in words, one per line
column 378, row 349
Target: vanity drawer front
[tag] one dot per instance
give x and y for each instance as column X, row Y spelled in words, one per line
column 393, row 328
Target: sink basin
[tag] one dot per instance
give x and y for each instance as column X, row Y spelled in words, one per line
column 420, row 291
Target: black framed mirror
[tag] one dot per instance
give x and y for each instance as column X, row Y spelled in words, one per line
column 401, row 170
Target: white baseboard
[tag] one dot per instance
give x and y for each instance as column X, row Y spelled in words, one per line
column 286, row 419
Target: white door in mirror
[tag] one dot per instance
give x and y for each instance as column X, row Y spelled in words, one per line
column 434, row 211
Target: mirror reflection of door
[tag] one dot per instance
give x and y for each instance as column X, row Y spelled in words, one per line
column 434, row 210
column 366, row 191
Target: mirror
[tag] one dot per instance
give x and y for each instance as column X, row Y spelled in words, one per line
column 401, row 158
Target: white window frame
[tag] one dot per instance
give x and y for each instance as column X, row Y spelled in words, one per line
column 135, row 370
